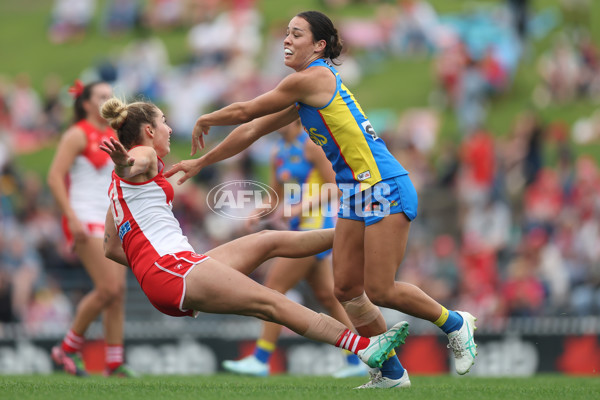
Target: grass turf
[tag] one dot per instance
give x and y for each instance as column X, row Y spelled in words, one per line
column 225, row 386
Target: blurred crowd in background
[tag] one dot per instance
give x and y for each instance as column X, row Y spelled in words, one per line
column 509, row 222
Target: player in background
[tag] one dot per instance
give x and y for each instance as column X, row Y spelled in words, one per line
column 300, row 164
column 142, row 232
column 79, row 177
column 378, row 199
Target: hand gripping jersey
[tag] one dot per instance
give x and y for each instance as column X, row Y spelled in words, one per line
column 145, row 222
column 359, row 157
column 89, row 177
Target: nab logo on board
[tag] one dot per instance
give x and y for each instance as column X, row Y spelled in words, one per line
column 233, row 199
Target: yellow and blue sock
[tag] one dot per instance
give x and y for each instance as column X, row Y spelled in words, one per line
column 263, row 350
column 351, row 358
column 391, row 368
column 449, row 321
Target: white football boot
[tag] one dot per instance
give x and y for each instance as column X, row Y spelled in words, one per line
column 463, row 344
column 351, row 370
column 247, row 366
column 380, row 382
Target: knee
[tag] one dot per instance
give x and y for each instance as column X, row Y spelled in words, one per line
column 340, row 293
column 379, row 294
column 267, row 238
column 326, row 298
column 109, row 294
column 346, row 292
column 361, row 311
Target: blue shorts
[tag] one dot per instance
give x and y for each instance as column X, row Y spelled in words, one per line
column 389, row 196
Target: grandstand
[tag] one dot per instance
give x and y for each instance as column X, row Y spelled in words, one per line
column 502, row 146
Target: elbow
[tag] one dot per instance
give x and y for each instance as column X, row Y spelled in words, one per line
column 110, row 251
column 242, row 114
column 113, row 256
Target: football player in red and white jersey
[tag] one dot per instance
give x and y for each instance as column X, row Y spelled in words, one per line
column 79, row 178
column 142, row 232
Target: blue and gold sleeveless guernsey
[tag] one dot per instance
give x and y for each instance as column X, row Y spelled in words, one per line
column 291, row 166
column 358, row 156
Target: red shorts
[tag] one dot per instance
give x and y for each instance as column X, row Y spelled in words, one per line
column 164, row 282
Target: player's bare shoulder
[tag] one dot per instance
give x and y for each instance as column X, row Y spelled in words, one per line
column 74, row 137
column 310, row 77
column 319, row 85
column 317, row 73
column 144, row 152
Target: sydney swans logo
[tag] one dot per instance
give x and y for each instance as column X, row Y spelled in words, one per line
column 237, row 199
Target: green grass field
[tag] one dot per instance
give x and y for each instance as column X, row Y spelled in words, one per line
column 223, row 386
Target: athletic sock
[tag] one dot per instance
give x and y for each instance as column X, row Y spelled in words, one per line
column 351, row 358
column 263, row 350
column 449, row 321
column 391, row 368
column 72, row 342
column 114, row 356
column 352, row 342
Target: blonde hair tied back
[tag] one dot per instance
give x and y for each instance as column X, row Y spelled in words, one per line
column 115, row 112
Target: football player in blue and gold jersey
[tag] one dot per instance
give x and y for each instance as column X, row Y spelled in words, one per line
column 378, row 199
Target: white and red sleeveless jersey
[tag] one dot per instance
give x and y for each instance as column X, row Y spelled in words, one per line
column 89, row 176
column 144, row 220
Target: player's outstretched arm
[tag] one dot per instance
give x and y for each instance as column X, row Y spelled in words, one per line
column 289, row 91
column 239, row 139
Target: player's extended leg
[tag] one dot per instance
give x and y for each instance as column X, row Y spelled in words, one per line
column 245, row 254
column 284, row 274
column 320, row 279
column 385, row 244
column 217, row 288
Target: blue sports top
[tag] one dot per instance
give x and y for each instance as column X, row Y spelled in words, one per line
column 291, row 166
column 358, row 156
